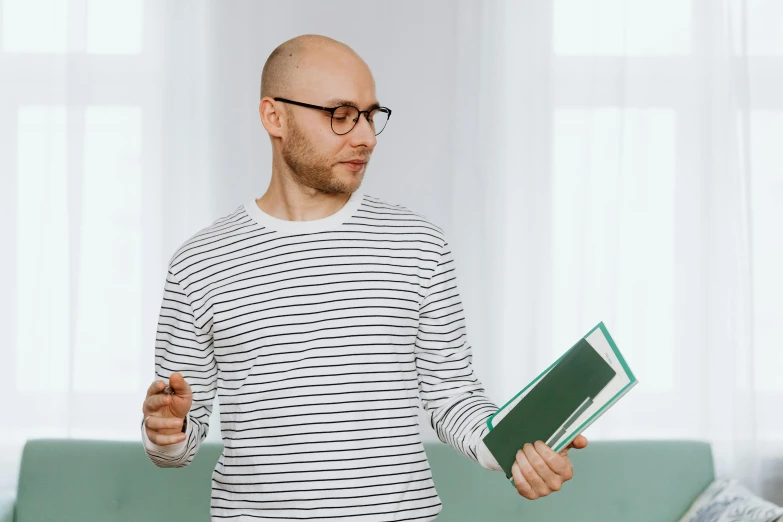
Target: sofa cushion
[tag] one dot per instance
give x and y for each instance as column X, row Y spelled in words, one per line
column 727, row 500
column 71, row 480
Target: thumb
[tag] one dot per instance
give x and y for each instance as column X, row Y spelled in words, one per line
column 182, row 399
column 580, row 442
column 179, row 385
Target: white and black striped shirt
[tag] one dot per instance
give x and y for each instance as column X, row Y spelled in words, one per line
column 322, row 337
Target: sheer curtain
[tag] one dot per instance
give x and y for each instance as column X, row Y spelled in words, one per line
column 128, row 125
column 105, row 169
column 613, row 160
column 631, row 150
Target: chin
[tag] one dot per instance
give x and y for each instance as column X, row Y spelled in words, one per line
column 347, row 183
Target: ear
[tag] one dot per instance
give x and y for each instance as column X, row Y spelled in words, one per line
column 271, row 118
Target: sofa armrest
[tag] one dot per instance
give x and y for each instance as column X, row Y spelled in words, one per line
column 7, row 502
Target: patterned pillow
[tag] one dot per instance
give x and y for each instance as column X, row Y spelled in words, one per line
column 728, row 501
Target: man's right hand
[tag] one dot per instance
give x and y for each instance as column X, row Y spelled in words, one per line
column 166, row 413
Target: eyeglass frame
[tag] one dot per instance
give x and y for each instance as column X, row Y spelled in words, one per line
column 332, row 110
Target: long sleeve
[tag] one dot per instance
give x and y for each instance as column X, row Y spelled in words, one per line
column 183, row 346
column 451, row 394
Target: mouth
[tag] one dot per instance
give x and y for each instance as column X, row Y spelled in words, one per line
column 354, row 164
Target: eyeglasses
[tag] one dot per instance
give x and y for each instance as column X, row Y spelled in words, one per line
column 345, row 117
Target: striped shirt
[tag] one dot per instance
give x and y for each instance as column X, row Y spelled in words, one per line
column 323, row 339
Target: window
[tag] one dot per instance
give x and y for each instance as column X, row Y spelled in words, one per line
column 613, row 219
column 42, row 250
column 766, row 200
column 76, row 98
column 622, row 27
column 72, row 26
column 108, row 308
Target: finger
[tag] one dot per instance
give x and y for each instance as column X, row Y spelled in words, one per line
column 579, row 442
column 530, row 474
column 535, row 454
column 178, row 384
column 164, row 423
column 555, row 462
column 155, row 403
column 164, row 440
column 155, row 387
column 522, row 485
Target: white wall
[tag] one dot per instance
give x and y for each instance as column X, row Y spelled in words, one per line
column 412, row 54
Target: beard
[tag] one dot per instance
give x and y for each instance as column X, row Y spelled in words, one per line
column 309, row 168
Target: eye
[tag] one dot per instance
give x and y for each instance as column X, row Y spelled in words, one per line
column 343, row 113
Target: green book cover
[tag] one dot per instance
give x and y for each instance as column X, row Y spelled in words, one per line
column 563, row 400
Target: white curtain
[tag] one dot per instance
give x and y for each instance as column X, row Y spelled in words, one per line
column 601, row 160
column 106, row 168
column 630, row 158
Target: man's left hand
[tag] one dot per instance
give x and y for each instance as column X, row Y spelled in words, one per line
column 538, row 471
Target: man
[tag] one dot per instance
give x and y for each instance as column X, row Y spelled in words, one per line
column 323, row 315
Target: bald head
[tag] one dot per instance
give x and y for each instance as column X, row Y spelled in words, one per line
column 281, row 68
column 313, row 72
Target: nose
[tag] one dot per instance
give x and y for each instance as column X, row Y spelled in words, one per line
column 363, row 133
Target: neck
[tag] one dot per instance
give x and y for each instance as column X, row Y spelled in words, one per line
column 286, row 199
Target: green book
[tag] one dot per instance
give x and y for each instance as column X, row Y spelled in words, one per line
column 563, row 401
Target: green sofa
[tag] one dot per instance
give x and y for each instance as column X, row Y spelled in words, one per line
column 108, row 481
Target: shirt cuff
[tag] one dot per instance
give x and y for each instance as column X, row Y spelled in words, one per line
column 486, row 458
column 170, row 450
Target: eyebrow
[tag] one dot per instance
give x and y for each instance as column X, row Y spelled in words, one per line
column 337, row 102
